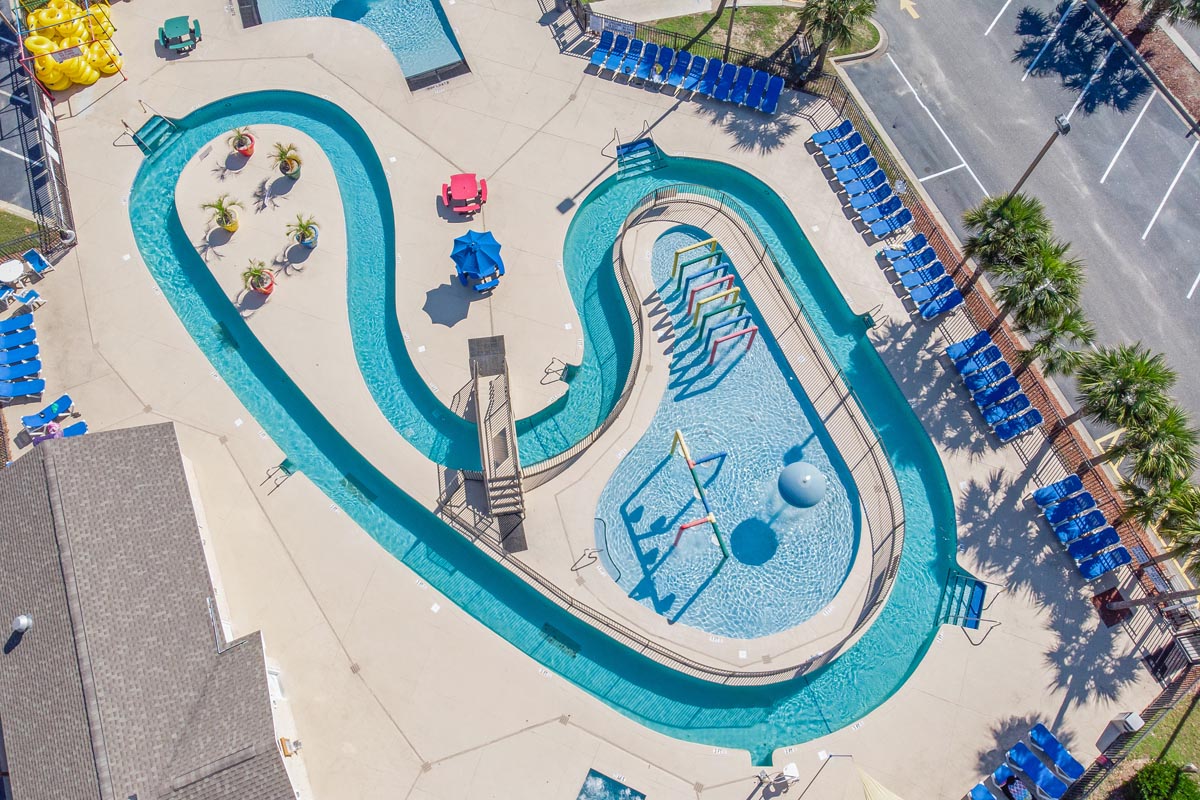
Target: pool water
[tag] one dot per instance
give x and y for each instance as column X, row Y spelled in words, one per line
column 598, row 786
column 416, row 31
column 785, row 563
column 757, row 719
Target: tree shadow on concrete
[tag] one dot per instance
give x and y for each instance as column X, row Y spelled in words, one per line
column 752, row 131
column 1082, row 54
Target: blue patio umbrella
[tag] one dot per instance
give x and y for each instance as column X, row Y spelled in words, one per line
column 477, row 254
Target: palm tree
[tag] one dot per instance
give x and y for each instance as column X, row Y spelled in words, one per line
column 1060, row 343
column 1041, row 286
column 833, row 23
column 1124, row 385
column 1176, row 512
column 1002, row 228
column 1162, row 449
column 1174, row 10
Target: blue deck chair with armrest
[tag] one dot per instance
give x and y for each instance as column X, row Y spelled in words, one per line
column 1073, row 506
column 1046, row 784
column 862, row 185
column 1060, row 757
column 1058, row 491
column 981, row 792
column 1072, row 529
column 725, row 85
column 851, row 142
column 864, row 201
column 941, row 305
column 632, row 56
column 894, row 224
column 758, row 84
column 38, row 265
column 712, row 74
column 617, row 53
column 680, row 70
column 925, row 258
column 849, row 158
column 1008, row 409
column 18, row 354
column 770, row 103
column 926, row 292
column 741, row 85
column 1106, row 562
column 991, row 395
column 917, row 277
column 18, row 371
column 59, row 408
column 888, row 209
column 9, row 341
column 1010, row 429
column 600, row 53
column 986, row 377
column 662, row 67
column 857, row 172
column 17, row 323
column 839, row 131
column 977, row 360
column 695, row 73
column 646, row 62
column 11, row 391
column 1088, row 546
column 969, row 345
column 906, row 250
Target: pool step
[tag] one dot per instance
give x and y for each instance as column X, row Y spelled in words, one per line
column 638, row 157
column 962, row 601
column 157, row 130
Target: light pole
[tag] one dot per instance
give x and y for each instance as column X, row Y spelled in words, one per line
column 1062, row 126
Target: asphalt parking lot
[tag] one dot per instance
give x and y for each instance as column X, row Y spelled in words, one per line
column 968, row 92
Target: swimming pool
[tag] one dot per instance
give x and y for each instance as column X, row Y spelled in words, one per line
column 754, row 718
column 785, row 564
column 416, row 31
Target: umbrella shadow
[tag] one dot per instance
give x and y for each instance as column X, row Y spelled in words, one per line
column 449, row 303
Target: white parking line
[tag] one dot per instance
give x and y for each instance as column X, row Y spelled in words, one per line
column 1091, row 80
column 1192, row 291
column 1170, row 189
column 937, row 124
column 1117, row 155
column 1049, row 39
column 943, row 172
column 6, row 151
column 998, row 16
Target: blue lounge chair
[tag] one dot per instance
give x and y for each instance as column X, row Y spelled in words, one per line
column 632, row 56
column 996, row 414
column 78, row 429
column 6, row 294
column 851, row 142
column 1018, row 426
column 712, row 74
column 617, row 53
column 17, row 323
column 11, row 391
column 1104, row 563
column 758, row 85
column 1059, row 755
column 981, row 792
column 1073, row 506
column 770, row 101
column 921, row 259
column 886, row 227
column 18, row 339
column 848, row 159
column 1002, row 774
column 1072, row 529
column 978, row 360
column 38, row 265
column 862, row 185
column 741, row 85
column 839, row 131
column 1092, row 544
column 30, row 299
column 986, row 377
column 646, row 62
column 679, row 71
column 695, row 72
column 940, row 305
column 662, row 67
column 865, row 201
column 857, row 172
column 998, row 393
column 725, row 85
column 19, row 371
column 881, row 212
column 602, row 47
column 1047, row 786
column 18, row 354
column 910, row 248
column 969, row 345
column 923, row 294
column 60, row 407
column 1058, row 491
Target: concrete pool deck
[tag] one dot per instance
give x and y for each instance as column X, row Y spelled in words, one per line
column 394, row 690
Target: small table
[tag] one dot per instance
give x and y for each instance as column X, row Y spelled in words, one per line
column 11, row 271
column 464, row 187
column 177, row 28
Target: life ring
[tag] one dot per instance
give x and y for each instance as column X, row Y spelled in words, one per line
column 60, row 5
column 74, row 29
column 52, row 16
column 40, row 45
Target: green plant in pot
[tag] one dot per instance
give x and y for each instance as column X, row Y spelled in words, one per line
column 259, row 278
column 304, row 230
column 223, row 212
column 287, row 158
column 242, row 141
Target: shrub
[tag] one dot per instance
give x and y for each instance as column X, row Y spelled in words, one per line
column 1162, row 780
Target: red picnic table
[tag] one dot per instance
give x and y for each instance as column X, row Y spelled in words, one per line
column 465, row 189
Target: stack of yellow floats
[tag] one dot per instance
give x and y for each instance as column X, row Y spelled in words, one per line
column 60, row 25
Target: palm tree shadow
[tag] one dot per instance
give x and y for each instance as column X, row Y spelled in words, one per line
column 753, row 131
column 1082, row 54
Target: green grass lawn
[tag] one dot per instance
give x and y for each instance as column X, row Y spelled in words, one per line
column 13, row 227
column 759, row 29
column 1177, row 737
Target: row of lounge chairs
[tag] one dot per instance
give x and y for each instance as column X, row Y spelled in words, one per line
column 996, row 393
column 682, row 71
column 19, row 364
column 1050, row 780
column 922, row 274
column 879, row 207
column 1081, row 527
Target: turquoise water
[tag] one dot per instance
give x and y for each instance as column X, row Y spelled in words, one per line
column 785, row 563
column 757, row 719
column 598, row 786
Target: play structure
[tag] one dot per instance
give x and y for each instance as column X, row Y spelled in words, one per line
column 65, row 43
column 678, row 443
column 698, row 272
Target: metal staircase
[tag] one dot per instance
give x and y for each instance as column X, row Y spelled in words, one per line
column 500, row 464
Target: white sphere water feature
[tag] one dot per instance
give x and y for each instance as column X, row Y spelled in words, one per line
column 801, row 485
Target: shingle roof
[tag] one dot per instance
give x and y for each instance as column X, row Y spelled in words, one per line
column 121, row 670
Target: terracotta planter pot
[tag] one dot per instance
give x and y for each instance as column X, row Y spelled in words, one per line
column 248, row 150
column 266, row 288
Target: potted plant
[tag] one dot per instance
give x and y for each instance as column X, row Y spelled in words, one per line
column 304, row 230
column 242, row 141
column 224, row 212
column 287, row 158
column 259, row 278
